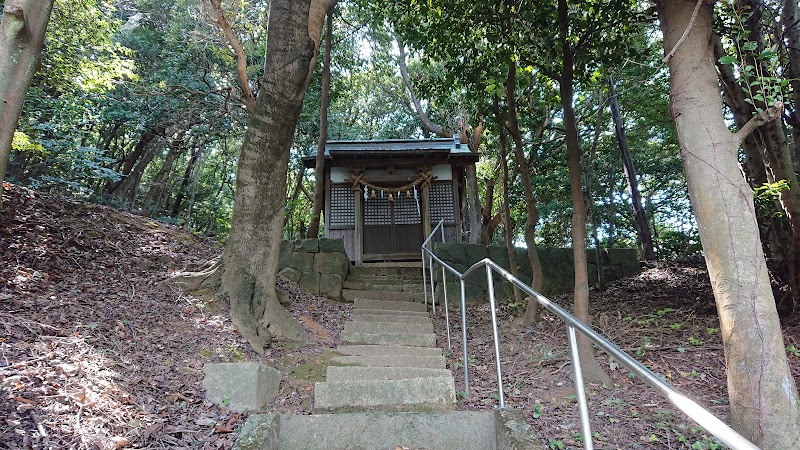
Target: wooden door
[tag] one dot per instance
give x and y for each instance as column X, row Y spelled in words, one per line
column 392, row 227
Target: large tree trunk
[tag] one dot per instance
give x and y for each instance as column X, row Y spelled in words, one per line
column 762, row 392
column 21, row 36
column 645, row 238
column 591, row 368
column 250, row 258
column 319, row 169
column 791, row 31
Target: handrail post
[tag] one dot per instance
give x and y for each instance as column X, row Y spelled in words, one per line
column 433, row 286
column 464, row 338
column 424, row 279
column 580, row 390
column 446, row 312
column 490, row 283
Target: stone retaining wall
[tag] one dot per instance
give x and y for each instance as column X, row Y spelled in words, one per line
column 318, row 265
column 557, row 267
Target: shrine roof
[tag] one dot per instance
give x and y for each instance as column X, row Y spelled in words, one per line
column 439, row 148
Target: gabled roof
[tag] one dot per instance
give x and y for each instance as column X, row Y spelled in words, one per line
column 440, row 148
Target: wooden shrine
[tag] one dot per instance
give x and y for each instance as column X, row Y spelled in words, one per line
column 384, row 197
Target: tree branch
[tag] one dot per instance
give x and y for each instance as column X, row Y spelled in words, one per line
column 224, row 25
column 685, row 33
column 768, row 115
column 426, row 121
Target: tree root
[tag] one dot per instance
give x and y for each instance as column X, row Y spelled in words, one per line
column 209, row 276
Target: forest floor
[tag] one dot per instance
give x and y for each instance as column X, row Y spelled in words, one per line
column 96, row 353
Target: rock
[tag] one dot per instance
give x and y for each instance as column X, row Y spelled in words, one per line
column 504, row 292
column 241, row 387
column 451, row 253
column 306, row 245
column 500, row 256
column 474, row 253
column 291, row 274
column 332, row 263
column 331, row 245
column 310, row 282
column 285, row 258
column 304, row 262
column 330, row 285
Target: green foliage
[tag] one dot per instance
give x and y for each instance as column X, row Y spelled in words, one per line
column 674, row 243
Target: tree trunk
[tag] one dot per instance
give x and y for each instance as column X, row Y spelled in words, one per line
column 512, row 251
column 319, row 170
column 640, row 222
column 132, row 162
column 791, row 32
column 157, row 185
column 591, row 369
column 21, row 37
column 184, row 186
column 532, row 312
column 251, row 254
column 762, row 392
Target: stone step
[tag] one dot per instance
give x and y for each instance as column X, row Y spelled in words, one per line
column 432, row 362
column 387, row 327
column 352, row 294
column 386, row 279
column 387, row 350
column 386, row 271
column 365, row 285
column 456, row 430
column 390, row 318
column 392, row 305
column 349, row 373
column 433, row 393
column 409, row 339
column 385, row 312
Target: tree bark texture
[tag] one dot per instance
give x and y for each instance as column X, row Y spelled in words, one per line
column 319, row 170
column 592, row 370
column 21, row 38
column 762, row 392
column 640, row 221
column 251, row 254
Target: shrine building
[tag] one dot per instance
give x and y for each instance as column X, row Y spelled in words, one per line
column 384, row 197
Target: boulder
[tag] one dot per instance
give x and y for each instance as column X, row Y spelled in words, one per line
column 500, row 256
column 330, row 285
column 333, row 263
column 331, row 245
column 504, row 292
column 310, row 282
column 474, row 253
column 304, row 262
column 285, row 258
column 451, row 253
column 291, row 274
column 473, row 295
column 241, row 387
column 307, row 245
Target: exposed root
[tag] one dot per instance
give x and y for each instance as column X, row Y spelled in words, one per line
column 209, row 275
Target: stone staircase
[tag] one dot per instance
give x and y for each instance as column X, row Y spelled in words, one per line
column 393, row 389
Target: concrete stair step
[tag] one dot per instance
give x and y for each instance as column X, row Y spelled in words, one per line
column 352, row 294
column 390, row 318
column 365, row 285
column 434, row 393
column 361, row 303
column 350, row 373
column 409, row 339
column 386, row 279
column 386, row 271
column 432, row 362
column 387, row 327
column 388, row 312
column 388, row 351
column 457, row 430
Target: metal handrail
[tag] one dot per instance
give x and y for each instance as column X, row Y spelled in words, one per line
column 692, row 409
